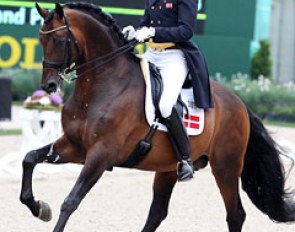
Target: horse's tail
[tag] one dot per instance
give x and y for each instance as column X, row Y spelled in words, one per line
column 263, row 177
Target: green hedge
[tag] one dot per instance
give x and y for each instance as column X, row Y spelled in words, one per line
column 262, row 96
column 25, row 82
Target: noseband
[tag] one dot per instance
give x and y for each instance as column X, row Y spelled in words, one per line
column 64, row 67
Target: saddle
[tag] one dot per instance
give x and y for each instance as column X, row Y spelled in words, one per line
column 193, row 117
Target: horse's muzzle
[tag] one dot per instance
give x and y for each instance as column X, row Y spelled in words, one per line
column 50, row 86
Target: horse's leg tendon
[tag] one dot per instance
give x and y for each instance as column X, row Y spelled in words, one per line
column 38, row 208
column 228, row 183
column 163, row 186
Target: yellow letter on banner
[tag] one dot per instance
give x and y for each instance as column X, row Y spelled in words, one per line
column 29, row 54
column 15, row 51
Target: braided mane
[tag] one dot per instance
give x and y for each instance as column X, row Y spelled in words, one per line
column 96, row 12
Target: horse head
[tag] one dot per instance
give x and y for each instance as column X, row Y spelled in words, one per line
column 66, row 40
column 55, row 39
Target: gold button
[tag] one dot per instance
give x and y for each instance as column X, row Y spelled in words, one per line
column 153, row 7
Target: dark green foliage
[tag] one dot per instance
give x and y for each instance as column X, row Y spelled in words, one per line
column 263, row 97
column 25, row 82
column 261, row 63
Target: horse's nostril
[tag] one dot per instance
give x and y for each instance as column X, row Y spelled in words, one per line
column 49, row 87
column 52, row 87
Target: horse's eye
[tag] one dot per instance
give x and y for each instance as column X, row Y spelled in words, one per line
column 59, row 41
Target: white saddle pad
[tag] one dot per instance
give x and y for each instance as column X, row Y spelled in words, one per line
column 194, row 123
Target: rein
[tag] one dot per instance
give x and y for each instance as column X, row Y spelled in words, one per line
column 65, row 68
column 104, row 59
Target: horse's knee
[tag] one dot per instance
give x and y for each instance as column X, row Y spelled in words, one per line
column 30, row 159
column 69, row 205
column 37, row 156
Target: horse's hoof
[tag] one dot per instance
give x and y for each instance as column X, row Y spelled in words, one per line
column 44, row 211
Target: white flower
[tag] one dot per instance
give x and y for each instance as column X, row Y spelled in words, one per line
column 263, row 83
column 28, row 100
column 44, row 101
column 289, row 85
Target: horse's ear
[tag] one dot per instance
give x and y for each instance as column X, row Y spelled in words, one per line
column 59, row 11
column 42, row 12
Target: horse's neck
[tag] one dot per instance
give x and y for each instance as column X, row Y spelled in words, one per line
column 112, row 78
column 99, row 42
column 111, row 81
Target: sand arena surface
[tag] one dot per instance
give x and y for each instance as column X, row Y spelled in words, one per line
column 120, row 201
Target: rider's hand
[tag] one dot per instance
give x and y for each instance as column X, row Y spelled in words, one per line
column 144, row 33
column 129, row 32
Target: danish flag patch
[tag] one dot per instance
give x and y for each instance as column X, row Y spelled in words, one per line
column 169, row 5
column 193, row 121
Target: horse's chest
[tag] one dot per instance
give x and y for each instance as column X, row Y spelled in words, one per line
column 87, row 126
column 72, row 128
column 73, row 123
column 82, row 129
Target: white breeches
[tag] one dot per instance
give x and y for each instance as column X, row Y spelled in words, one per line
column 173, row 68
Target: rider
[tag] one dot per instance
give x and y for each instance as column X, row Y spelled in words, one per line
column 168, row 25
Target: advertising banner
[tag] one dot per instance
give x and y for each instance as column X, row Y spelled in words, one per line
column 20, row 23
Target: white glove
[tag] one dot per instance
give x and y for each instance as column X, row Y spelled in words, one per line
column 144, row 33
column 129, row 32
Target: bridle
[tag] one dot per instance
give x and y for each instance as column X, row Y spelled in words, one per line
column 64, row 67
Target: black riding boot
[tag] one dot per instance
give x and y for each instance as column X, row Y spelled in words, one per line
column 181, row 145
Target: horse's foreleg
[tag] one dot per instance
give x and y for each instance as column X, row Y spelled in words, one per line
column 38, row 208
column 163, row 186
column 93, row 169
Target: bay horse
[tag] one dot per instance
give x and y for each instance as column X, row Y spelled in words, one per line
column 104, row 119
